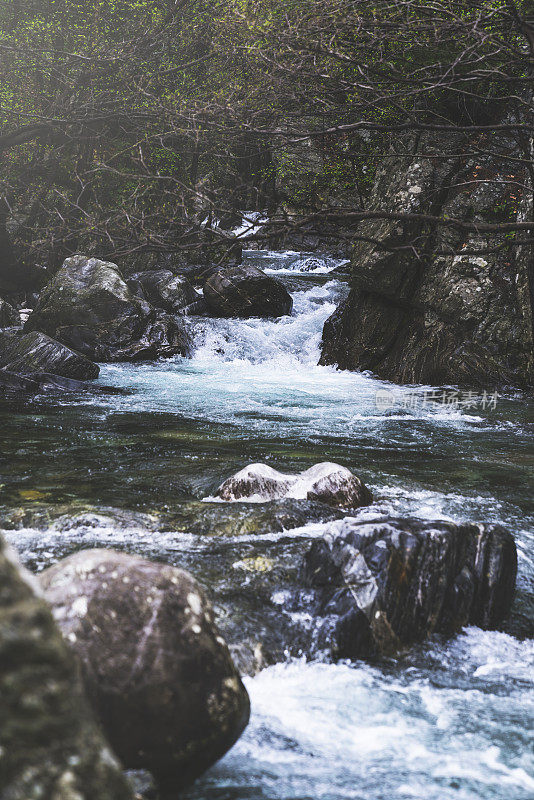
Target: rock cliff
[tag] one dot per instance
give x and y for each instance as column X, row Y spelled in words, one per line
column 419, row 309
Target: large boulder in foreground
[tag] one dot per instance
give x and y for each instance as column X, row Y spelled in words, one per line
column 34, row 352
column 385, row 584
column 165, row 290
column 156, row 670
column 50, row 745
column 9, row 316
column 245, row 291
column 416, row 314
column 88, row 306
column 327, row 483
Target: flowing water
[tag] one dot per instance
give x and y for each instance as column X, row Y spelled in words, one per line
column 450, row 719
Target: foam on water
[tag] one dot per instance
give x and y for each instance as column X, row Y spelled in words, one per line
column 355, row 731
column 267, row 371
column 291, row 262
column 291, row 341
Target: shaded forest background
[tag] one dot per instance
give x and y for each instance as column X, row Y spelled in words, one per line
column 135, row 128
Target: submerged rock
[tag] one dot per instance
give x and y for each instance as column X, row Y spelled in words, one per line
column 385, row 584
column 155, row 667
column 13, row 385
column 34, row 352
column 247, row 519
column 20, row 387
column 88, row 306
column 9, row 316
column 417, row 315
column 245, row 291
column 164, row 290
column 327, row 483
column 50, row 745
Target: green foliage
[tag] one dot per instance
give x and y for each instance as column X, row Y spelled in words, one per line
column 156, row 112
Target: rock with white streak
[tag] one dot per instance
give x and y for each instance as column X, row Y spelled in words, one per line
column 382, row 585
column 164, row 290
column 156, row 670
column 326, row 482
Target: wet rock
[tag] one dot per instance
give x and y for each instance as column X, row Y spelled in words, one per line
column 34, row 352
column 417, row 315
column 9, row 316
column 155, row 667
column 164, row 290
column 255, row 587
column 88, row 306
column 20, row 387
column 197, row 309
column 144, row 785
column 50, row 744
column 164, row 336
column 385, row 584
column 245, row 291
column 79, row 522
column 245, row 553
column 15, row 385
column 198, row 274
column 247, row 519
column 327, row 483
column 48, row 381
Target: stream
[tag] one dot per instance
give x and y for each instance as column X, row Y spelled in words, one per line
column 449, row 719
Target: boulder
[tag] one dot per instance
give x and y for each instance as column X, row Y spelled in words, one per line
column 385, row 584
column 327, row 483
column 245, row 291
column 164, row 290
column 88, row 306
column 155, row 667
column 50, row 744
column 9, row 316
column 197, row 309
column 417, row 315
column 34, row 352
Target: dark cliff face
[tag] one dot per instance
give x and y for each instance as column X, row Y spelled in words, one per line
column 418, row 315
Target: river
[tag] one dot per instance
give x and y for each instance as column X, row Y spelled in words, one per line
column 449, row 719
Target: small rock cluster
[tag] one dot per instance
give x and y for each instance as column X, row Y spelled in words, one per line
column 87, row 312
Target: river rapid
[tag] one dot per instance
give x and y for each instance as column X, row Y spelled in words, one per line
column 449, row 719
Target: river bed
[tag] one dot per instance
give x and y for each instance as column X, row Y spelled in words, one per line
column 447, row 720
